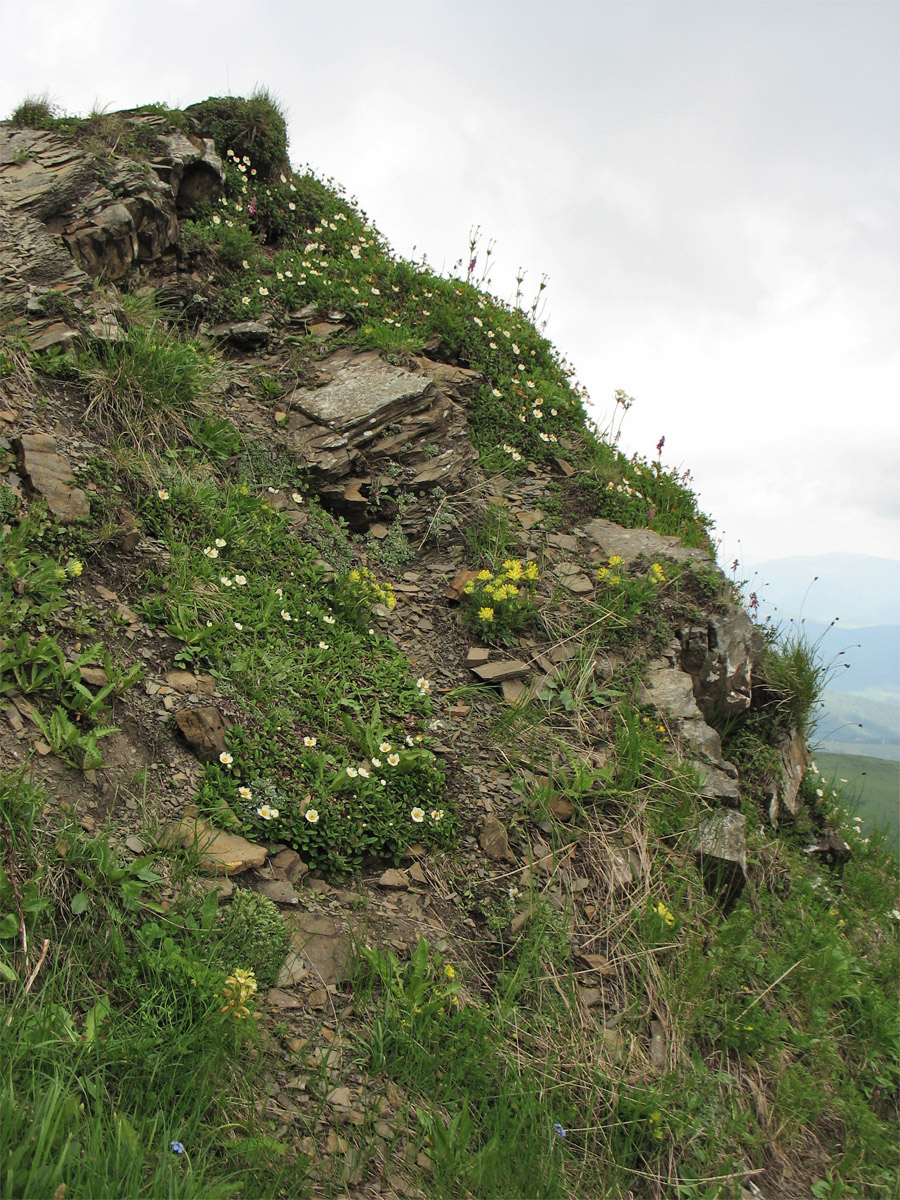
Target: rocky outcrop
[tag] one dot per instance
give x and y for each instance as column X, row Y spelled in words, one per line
column 721, row 656
column 370, row 426
column 66, row 217
column 721, row 853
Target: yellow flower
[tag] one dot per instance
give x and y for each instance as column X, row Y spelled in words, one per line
column 486, row 614
column 532, row 572
column 482, row 575
column 501, row 593
column 656, row 573
column 513, row 568
column 449, row 972
column 616, row 560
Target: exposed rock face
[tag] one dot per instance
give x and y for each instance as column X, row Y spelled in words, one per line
column 632, row 543
column 368, row 415
column 59, row 203
column 721, row 657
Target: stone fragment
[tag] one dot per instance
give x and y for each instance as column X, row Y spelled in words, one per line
column 561, row 808
column 277, row 998
column 416, row 874
column 721, row 657
column 477, row 656
column 277, row 890
column 590, row 997
column 318, row 998
column 658, row 1052
column 572, row 577
column 52, row 477
column 721, row 853
column 598, row 963
column 204, row 731
column 513, row 690
column 93, row 676
column 565, row 466
column 494, row 840
column 319, row 942
column 245, row 335
column 290, row 862
column 496, row 672
column 394, row 880
column 784, row 790
column 220, row 853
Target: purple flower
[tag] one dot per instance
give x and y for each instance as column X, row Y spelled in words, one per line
column 558, row 1129
column 176, row 1147
column 659, row 446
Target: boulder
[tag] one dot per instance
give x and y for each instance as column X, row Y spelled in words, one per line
column 220, row 853
column 52, row 477
column 204, row 731
column 784, row 789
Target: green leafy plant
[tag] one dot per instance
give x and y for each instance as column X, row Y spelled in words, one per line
column 497, row 606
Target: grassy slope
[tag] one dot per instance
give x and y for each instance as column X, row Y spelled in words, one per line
column 778, row 1023
column 872, row 790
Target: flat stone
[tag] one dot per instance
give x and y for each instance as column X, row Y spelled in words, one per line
column 671, row 692
column 632, row 543
column 320, row 943
column 456, row 587
column 290, row 862
column 293, row 971
column 221, row 853
column 572, row 577
column 494, row 840
column 721, row 853
column 93, row 676
column 339, row 1097
column 277, row 998
column 277, row 890
column 496, row 672
column 513, row 690
column 52, row 477
column 561, row 808
column 394, row 879
column 590, row 997
column 477, row 656
column 530, row 519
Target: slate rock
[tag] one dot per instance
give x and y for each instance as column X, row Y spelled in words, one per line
column 221, row 853
column 204, row 731
column 52, row 477
column 496, row 672
column 494, row 840
column 721, row 853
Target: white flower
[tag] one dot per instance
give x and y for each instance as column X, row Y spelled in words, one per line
column 240, row 580
column 323, row 645
column 312, row 815
column 279, row 592
column 418, row 815
column 393, row 759
column 496, row 391
column 437, row 814
column 285, row 615
column 895, row 913
column 163, row 494
column 376, row 762
column 267, row 814
column 352, row 772
column 210, row 553
column 423, row 685
column 355, row 251
column 328, row 619
column 220, row 542
column 225, row 581
column 238, row 626
column 363, row 773
column 375, row 291
column 245, row 793
column 225, row 759
column 245, row 299
column 217, row 220
column 309, row 741
column 264, row 291
column 385, row 747
column 296, row 497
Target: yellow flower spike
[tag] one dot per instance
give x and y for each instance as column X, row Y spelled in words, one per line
column 483, row 575
column 616, row 560
column 486, row 614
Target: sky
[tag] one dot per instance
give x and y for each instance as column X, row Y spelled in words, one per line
column 710, row 186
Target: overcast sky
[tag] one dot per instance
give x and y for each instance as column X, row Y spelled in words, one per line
column 711, row 187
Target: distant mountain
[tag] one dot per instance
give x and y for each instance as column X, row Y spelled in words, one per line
column 858, row 588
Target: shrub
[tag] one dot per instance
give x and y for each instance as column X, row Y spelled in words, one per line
column 253, row 936
column 254, row 127
column 35, row 112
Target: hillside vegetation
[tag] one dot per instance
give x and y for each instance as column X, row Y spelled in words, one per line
column 530, row 889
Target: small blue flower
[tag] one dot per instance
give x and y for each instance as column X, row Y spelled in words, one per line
column 559, row 1130
column 176, row 1147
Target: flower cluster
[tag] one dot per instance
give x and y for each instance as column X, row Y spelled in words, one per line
column 363, row 586
column 240, row 987
column 497, row 604
column 664, row 913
